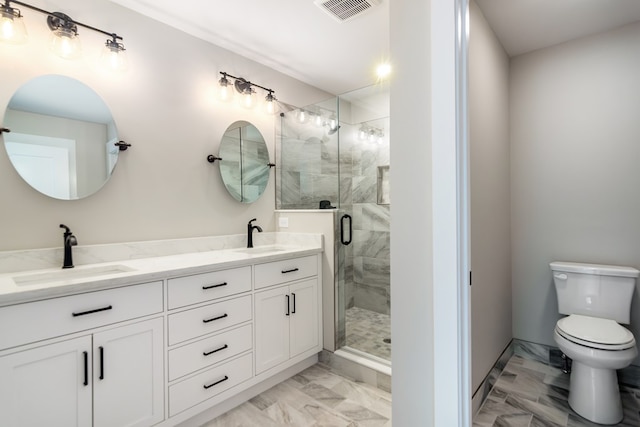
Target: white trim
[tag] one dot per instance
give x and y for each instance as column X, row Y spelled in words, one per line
column 365, row 359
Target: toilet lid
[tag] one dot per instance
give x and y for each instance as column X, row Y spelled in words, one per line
column 594, row 330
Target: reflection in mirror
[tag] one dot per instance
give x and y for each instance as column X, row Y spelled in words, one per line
column 245, row 162
column 62, row 139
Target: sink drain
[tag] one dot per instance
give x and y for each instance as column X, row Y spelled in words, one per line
column 387, row 340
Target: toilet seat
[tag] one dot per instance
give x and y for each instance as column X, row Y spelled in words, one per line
column 594, row 332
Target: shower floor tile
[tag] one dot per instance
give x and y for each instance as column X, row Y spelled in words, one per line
column 367, row 330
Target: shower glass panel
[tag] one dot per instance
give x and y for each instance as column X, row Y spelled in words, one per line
column 348, row 166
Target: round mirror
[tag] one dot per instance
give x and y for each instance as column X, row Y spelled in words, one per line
column 245, row 162
column 62, row 139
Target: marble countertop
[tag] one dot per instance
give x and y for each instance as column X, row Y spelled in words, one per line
column 31, row 285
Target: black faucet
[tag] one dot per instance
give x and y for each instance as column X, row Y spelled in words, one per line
column 69, row 240
column 250, row 228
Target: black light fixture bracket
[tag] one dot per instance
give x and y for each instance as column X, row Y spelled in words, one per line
column 241, row 84
column 122, row 146
column 212, row 159
column 4, row 130
column 56, row 20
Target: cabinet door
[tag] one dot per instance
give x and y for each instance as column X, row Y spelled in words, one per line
column 272, row 328
column 47, row 386
column 304, row 316
column 128, row 375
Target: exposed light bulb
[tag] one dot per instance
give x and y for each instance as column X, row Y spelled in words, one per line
column 225, row 90
column 114, row 56
column 66, row 43
column 270, row 104
column 12, row 29
column 247, row 98
column 362, row 133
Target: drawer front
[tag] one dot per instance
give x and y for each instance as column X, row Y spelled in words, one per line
column 212, row 382
column 208, row 352
column 273, row 273
column 204, row 320
column 208, row 286
column 35, row 321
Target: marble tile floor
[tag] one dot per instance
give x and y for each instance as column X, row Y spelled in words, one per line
column 533, row 394
column 316, row 397
column 367, row 330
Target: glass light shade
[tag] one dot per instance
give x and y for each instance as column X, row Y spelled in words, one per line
column 270, row 104
column 247, row 99
column 362, row 134
column 12, row 29
column 66, row 44
column 318, row 120
column 333, row 123
column 303, row 116
column 114, row 57
column 225, row 90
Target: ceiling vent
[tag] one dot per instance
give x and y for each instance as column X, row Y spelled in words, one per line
column 345, row 10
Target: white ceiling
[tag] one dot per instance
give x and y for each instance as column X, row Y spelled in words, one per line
column 297, row 38
column 526, row 25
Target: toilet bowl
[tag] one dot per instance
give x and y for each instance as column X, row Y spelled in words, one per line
column 598, row 347
column 597, row 300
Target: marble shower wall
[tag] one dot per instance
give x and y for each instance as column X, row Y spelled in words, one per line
column 370, row 286
column 314, row 166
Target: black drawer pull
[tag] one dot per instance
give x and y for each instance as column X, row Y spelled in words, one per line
column 290, row 271
column 206, row 387
column 288, row 304
column 101, row 377
column 209, row 353
column 215, row 318
column 294, row 303
column 97, row 310
column 204, row 288
column 86, row 368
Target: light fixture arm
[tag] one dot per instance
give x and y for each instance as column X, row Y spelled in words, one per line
column 57, row 19
column 246, row 83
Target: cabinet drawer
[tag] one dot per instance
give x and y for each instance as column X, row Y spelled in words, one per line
column 208, row 286
column 34, row 321
column 273, row 273
column 210, row 383
column 204, row 320
column 207, row 352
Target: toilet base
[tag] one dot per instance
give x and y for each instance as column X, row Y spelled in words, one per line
column 594, row 394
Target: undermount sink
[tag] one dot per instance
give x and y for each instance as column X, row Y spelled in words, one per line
column 261, row 250
column 70, row 274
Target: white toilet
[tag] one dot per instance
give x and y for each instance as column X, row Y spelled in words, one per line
column 596, row 298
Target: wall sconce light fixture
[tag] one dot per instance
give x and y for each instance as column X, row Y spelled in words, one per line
column 65, row 41
column 370, row 133
column 247, row 92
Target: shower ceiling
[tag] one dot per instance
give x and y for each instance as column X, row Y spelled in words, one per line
column 296, row 38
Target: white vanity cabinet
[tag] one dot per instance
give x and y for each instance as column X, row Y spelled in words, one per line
column 286, row 316
column 188, row 344
column 102, row 377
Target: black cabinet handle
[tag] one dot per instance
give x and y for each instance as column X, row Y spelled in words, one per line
column 342, row 238
column 204, row 288
column 209, row 353
column 101, row 377
column 97, row 310
column 294, row 303
column 206, row 387
column 287, row 297
column 86, row 368
column 290, row 271
column 215, row 318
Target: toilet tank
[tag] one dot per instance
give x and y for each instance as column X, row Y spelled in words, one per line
column 595, row 290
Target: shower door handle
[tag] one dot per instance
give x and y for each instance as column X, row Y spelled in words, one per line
column 342, row 238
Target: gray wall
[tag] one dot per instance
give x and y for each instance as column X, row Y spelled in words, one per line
column 575, row 168
column 490, row 196
column 163, row 186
